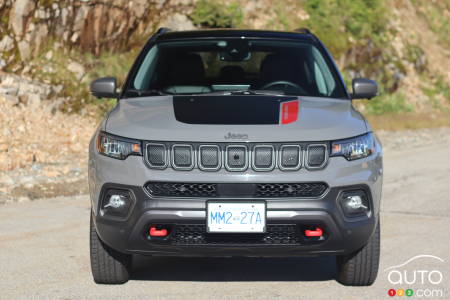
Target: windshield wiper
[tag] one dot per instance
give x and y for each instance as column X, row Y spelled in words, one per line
column 143, row 93
column 243, row 92
column 257, row 92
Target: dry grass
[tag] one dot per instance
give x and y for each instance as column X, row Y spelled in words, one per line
column 403, row 121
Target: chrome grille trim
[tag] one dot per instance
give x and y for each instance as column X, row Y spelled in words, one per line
column 246, row 159
column 274, row 154
column 183, row 168
column 165, row 159
column 219, row 158
column 280, row 157
column 325, row 159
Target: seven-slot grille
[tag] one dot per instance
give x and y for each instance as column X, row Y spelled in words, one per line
column 256, row 190
column 236, row 158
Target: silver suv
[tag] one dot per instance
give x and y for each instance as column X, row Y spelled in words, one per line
column 235, row 143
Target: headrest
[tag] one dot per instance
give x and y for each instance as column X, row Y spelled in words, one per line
column 232, row 74
column 187, row 70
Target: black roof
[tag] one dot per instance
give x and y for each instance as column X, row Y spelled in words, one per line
column 301, row 34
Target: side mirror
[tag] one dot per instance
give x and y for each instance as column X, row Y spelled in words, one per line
column 104, row 87
column 364, row 88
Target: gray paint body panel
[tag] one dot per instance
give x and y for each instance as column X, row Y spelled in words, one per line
column 153, row 118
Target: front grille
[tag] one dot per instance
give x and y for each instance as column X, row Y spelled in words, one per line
column 316, row 156
column 290, row 157
column 183, row 157
column 236, row 158
column 263, row 158
column 209, row 157
column 157, row 155
column 286, row 190
column 276, row 234
column 258, row 190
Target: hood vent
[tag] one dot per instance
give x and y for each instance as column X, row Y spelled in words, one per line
column 228, row 110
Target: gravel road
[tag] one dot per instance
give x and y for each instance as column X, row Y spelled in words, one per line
column 44, row 248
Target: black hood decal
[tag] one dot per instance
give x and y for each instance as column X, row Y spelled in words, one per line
column 229, row 109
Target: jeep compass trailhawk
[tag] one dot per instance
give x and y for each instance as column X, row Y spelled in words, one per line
column 235, row 143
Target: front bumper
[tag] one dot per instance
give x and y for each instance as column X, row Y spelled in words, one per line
column 131, row 235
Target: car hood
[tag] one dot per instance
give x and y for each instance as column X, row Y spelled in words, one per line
column 234, row 119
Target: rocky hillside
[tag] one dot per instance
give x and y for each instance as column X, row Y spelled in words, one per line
column 63, row 44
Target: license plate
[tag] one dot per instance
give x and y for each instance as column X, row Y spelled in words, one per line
column 236, row 217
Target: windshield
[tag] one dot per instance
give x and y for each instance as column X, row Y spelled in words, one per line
column 235, row 65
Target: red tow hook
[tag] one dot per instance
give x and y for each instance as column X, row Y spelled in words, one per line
column 311, row 233
column 157, row 232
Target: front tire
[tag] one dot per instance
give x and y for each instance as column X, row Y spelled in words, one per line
column 361, row 267
column 108, row 265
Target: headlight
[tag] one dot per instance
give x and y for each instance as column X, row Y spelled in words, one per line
column 116, row 147
column 354, row 148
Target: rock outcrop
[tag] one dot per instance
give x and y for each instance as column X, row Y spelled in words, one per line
column 20, row 90
column 27, row 26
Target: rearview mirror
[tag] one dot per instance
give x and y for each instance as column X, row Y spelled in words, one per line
column 104, row 87
column 364, row 88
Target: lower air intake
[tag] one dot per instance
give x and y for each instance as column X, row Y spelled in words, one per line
column 244, row 190
column 288, row 190
column 195, row 234
column 182, row 190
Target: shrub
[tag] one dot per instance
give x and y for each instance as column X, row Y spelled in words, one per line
column 340, row 23
column 389, row 103
column 217, row 14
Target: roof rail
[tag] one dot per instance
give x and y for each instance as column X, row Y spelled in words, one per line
column 304, row 31
column 162, row 30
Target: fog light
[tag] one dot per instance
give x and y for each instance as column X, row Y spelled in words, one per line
column 355, row 203
column 116, row 203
